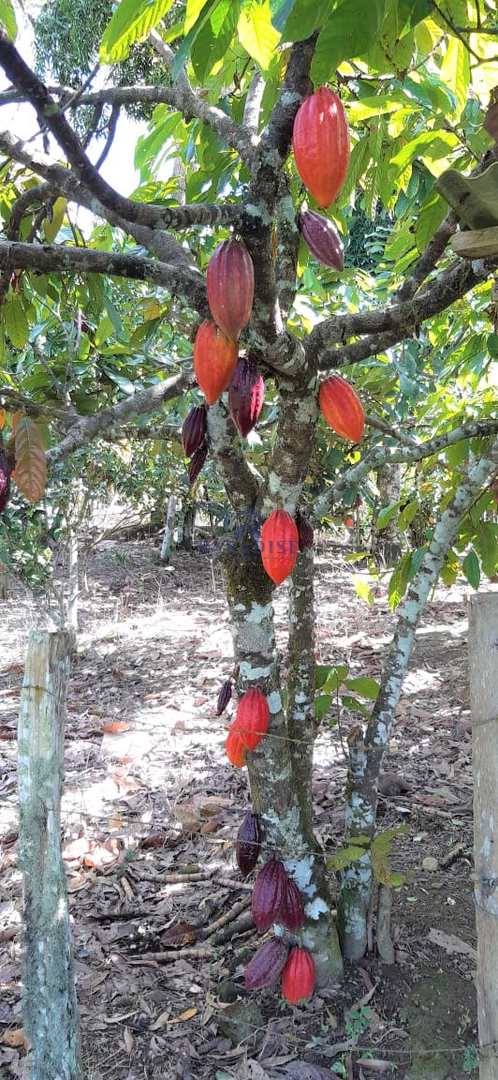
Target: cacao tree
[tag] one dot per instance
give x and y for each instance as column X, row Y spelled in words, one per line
column 226, row 286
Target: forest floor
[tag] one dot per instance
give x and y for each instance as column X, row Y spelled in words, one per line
column 149, row 795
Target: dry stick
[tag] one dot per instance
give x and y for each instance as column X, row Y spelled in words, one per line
column 228, row 917
column 483, row 661
column 50, row 1007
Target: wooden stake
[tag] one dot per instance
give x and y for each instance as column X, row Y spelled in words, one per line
column 483, row 657
column 50, row 1008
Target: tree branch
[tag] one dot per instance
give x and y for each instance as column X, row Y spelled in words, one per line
column 241, row 483
column 431, row 256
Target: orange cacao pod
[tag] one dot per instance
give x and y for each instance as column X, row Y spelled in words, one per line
column 322, row 239
column 246, row 396
column 268, row 893
column 248, row 843
column 252, row 718
column 215, row 357
column 292, row 910
column 279, row 545
column 267, row 964
column 341, row 408
column 230, row 287
column 235, row 749
column 298, row 976
column 320, row 141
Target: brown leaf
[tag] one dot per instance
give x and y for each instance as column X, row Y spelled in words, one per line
column 30, row 473
column 16, row 1038
column 180, row 934
column 114, row 727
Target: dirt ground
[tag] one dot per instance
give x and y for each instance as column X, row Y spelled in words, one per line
column 151, row 809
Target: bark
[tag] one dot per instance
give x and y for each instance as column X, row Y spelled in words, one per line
column 366, row 753
column 301, row 684
column 169, row 528
column 50, row 1008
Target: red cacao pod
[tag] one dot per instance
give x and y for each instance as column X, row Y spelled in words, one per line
column 298, row 976
column 248, row 843
column 230, row 287
column 224, row 697
column 292, row 911
column 246, row 396
column 196, row 462
column 268, row 893
column 320, row 140
column 194, row 429
column 279, row 545
column 305, row 532
column 267, row 964
column 341, row 408
column 235, row 749
column 349, row 522
column 215, row 357
column 322, row 239
column 252, row 718
column 4, row 480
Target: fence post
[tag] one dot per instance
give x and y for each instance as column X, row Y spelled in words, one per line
column 50, row 1007
column 483, row 658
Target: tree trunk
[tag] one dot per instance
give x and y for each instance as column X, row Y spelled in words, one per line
column 169, row 527
column 73, row 579
column 483, row 638
column 188, row 525
column 50, row 1007
column 366, row 752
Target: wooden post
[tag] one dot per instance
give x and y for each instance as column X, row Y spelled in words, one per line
column 483, row 657
column 50, row 1007
column 169, row 527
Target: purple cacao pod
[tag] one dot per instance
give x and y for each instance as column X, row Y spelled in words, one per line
column 4, row 480
column 268, row 893
column 196, row 462
column 322, row 239
column 305, row 532
column 267, row 964
column 246, row 395
column 194, row 429
column 224, row 697
column 248, row 843
column 292, row 910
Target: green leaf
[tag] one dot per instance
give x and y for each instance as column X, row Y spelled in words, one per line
column 386, row 515
column 8, row 18
column 430, row 217
column 472, row 569
column 374, row 105
column 51, row 227
column 399, row 581
column 132, row 21
column 455, row 72
column 280, row 12
column 364, row 686
column 322, row 672
column 213, row 41
column 336, row 677
column 407, row 515
column 354, row 705
column 429, row 145
column 16, row 323
column 188, row 41
column 487, row 546
column 323, row 702
column 344, row 857
column 492, row 345
column 380, row 851
column 363, row 589
column 257, row 33
column 348, row 32
column 305, row 18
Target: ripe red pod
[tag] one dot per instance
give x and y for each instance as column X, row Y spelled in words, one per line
column 305, row 532
column 267, row 964
column 246, row 395
column 322, row 239
column 194, row 429
column 4, row 480
column 292, row 912
column 320, row 140
column 298, row 976
column 215, row 357
column 224, row 697
column 248, row 843
column 279, row 545
column 341, row 408
column 230, row 287
column 268, row 893
column 349, row 522
column 235, row 749
column 252, row 718
column 196, row 462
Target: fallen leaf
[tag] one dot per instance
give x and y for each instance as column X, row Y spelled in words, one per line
column 128, row 1040
column 114, row 727
column 451, row 943
column 16, row 1038
column 180, row 934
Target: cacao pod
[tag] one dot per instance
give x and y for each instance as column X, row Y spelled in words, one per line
column 196, row 462
column 267, row 964
column 341, row 408
column 224, row 697
column 215, row 357
column 320, row 140
column 194, row 429
column 4, row 480
column 252, row 718
column 279, row 545
column 349, row 522
column 235, row 749
column 305, row 532
column 248, row 843
column 322, row 239
column 230, row 287
column 268, row 893
column 298, row 976
column 292, row 912
column 246, row 396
